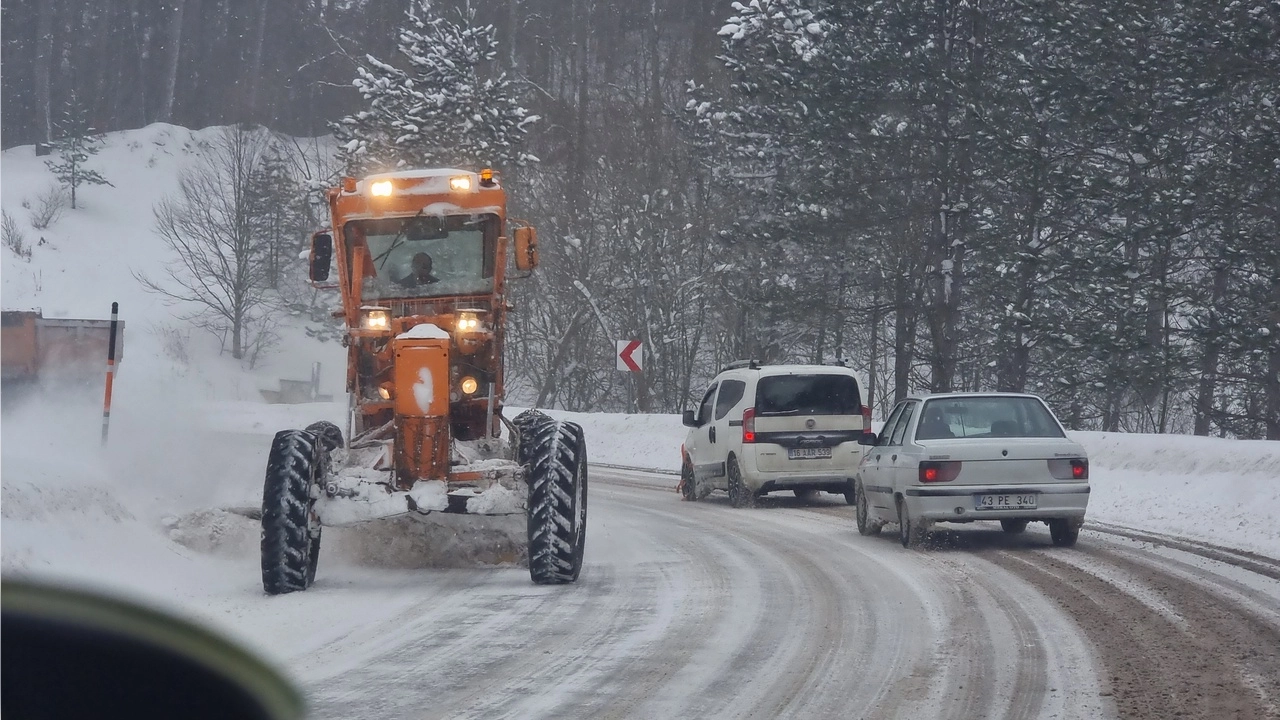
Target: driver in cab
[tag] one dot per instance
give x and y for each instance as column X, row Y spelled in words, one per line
column 420, row 273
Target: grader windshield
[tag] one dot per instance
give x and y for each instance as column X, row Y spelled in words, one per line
column 425, row 256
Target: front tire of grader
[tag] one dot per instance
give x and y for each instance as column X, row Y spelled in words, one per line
column 290, row 528
column 555, row 456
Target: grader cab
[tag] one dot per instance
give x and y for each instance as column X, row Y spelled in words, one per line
column 421, row 260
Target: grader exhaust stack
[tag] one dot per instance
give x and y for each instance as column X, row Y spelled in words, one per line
column 421, row 260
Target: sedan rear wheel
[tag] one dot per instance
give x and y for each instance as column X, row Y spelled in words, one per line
column 1064, row 532
column 909, row 533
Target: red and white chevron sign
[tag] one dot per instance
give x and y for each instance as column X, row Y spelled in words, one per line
column 628, row 358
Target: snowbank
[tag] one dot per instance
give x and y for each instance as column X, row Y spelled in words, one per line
column 1212, row 489
column 92, row 256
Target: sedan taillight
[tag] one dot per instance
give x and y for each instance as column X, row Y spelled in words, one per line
column 1073, row 469
column 932, row 472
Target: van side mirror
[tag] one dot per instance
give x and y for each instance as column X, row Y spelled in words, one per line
column 321, row 256
column 526, row 239
column 689, row 419
column 867, row 438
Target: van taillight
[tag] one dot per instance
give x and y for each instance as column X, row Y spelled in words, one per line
column 932, row 472
column 866, row 418
column 749, row 425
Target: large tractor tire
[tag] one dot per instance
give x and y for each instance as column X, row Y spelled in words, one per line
column 290, row 528
column 329, row 435
column 555, row 457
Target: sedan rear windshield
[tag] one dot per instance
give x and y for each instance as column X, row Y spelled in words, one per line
column 808, row 395
column 986, row 417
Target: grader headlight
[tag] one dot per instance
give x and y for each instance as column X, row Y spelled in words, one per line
column 381, row 188
column 469, row 385
column 460, row 183
column 468, row 323
column 375, row 318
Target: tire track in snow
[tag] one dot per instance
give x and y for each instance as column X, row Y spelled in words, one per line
column 1158, row 668
column 701, row 610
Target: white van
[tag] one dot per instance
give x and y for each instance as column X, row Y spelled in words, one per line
column 762, row 428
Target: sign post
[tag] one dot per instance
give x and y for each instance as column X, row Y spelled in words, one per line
column 630, row 359
column 111, row 369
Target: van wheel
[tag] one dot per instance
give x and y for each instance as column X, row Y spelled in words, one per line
column 910, row 534
column 688, row 486
column 863, row 511
column 1013, row 527
column 1064, row 532
column 739, row 495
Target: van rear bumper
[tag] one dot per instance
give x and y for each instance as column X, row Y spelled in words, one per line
column 832, row 476
column 837, row 482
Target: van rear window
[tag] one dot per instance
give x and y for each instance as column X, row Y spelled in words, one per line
column 808, row 395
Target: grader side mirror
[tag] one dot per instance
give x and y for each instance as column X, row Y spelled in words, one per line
column 526, row 248
column 321, row 256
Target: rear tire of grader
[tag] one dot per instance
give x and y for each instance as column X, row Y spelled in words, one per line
column 555, row 457
column 290, row 529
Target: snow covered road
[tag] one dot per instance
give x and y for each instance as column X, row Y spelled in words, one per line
column 694, row 610
column 700, row 610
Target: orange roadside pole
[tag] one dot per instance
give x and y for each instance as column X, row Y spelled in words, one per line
column 111, row 369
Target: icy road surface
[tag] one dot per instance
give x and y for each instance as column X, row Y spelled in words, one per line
column 700, row 610
column 688, row 609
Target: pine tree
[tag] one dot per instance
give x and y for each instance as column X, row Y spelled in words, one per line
column 444, row 104
column 76, row 143
column 275, row 200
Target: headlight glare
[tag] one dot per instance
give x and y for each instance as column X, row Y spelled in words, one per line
column 381, row 188
column 468, row 322
column 460, row 183
column 376, row 319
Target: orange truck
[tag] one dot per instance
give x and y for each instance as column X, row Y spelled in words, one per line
column 36, row 348
column 422, row 259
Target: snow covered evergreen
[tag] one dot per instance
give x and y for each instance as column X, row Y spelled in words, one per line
column 444, row 103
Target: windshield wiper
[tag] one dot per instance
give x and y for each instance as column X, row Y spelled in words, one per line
column 398, row 240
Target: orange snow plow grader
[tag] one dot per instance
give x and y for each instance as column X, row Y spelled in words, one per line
column 421, row 261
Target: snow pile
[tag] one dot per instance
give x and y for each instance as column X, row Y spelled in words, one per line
column 423, row 331
column 91, row 256
column 1212, row 489
column 646, row 441
column 497, row 499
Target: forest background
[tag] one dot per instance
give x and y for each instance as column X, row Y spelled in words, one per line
column 1080, row 200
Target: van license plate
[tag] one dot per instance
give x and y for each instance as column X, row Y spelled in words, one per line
column 1025, row 501
column 808, row 453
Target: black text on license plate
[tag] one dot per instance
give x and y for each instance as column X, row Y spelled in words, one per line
column 808, row 453
column 1005, row 501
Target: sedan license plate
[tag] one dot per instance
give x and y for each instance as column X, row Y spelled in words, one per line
column 1011, row 501
column 808, row 453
